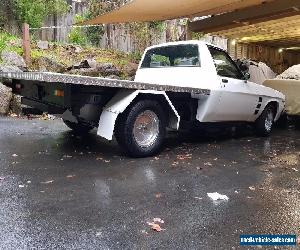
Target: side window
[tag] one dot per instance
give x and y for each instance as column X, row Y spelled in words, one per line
column 224, row 64
column 172, row 56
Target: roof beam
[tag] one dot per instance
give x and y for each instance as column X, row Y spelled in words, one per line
column 251, row 15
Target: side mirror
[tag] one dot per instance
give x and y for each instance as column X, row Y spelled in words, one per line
column 247, row 76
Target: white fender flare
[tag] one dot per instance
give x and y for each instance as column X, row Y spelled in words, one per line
column 118, row 105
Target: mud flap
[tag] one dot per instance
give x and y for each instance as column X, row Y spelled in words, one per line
column 118, row 105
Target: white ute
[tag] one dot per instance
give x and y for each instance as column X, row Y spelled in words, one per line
column 177, row 85
column 141, row 126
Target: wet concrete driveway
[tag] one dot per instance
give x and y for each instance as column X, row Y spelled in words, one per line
column 60, row 191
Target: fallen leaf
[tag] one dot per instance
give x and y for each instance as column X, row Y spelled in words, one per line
column 158, row 195
column 48, row 182
column 184, row 157
column 159, row 220
column 155, row 227
column 198, row 198
column 70, row 176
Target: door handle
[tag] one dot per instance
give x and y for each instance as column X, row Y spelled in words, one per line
column 224, row 80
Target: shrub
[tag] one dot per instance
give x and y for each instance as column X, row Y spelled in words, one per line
column 5, row 38
column 77, row 35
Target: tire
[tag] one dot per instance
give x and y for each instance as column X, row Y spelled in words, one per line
column 264, row 124
column 141, row 129
column 78, row 128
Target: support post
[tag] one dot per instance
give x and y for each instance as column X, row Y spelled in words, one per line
column 189, row 35
column 26, row 43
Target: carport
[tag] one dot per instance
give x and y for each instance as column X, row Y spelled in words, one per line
column 269, row 32
column 262, row 30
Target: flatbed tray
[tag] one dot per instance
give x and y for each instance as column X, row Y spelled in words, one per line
column 97, row 81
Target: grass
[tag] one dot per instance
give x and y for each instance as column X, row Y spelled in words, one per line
column 9, row 42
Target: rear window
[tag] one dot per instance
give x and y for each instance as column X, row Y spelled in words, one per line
column 172, row 56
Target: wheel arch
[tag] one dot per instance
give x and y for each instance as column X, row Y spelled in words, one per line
column 123, row 99
column 276, row 105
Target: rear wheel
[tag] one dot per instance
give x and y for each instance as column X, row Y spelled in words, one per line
column 264, row 124
column 141, row 129
column 78, row 128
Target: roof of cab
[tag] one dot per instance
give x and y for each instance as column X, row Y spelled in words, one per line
column 182, row 42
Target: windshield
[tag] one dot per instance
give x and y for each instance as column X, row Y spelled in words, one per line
column 172, row 56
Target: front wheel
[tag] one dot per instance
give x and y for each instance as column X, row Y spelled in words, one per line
column 141, row 129
column 264, row 124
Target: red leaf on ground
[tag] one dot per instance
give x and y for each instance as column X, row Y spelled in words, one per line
column 155, row 226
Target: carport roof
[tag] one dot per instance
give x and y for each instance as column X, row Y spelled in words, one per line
column 284, row 32
column 276, row 23
column 153, row 10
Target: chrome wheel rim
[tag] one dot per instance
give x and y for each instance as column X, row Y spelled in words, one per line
column 269, row 120
column 146, row 129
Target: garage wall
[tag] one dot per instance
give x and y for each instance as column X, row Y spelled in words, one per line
column 279, row 62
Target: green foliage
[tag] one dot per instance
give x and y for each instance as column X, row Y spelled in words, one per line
column 95, row 33
column 77, row 35
column 135, row 57
column 157, row 26
column 163, row 60
column 34, row 12
column 197, row 36
column 96, row 8
column 5, row 40
column 145, row 32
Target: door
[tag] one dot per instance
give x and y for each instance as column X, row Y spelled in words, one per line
column 238, row 97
